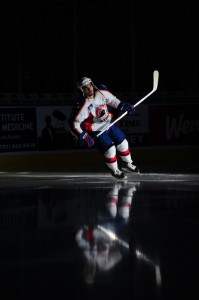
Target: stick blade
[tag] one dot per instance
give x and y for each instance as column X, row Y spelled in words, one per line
column 155, row 80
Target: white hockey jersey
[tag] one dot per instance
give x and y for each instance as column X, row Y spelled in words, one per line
column 94, row 115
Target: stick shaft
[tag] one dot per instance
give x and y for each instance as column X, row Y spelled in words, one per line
column 124, row 114
column 155, row 85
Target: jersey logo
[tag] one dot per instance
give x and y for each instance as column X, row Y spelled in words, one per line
column 102, row 112
column 90, row 107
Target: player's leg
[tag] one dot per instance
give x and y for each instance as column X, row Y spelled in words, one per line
column 122, row 147
column 111, row 162
column 124, row 153
column 105, row 144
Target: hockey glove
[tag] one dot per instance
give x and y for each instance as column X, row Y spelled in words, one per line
column 87, row 138
column 124, row 106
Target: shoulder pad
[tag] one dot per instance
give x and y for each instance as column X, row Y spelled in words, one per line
column 102, row 87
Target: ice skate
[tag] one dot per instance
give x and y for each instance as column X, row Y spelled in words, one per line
column 118, row 174
column 129, row 167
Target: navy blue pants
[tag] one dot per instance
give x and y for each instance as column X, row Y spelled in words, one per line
column 113, row 135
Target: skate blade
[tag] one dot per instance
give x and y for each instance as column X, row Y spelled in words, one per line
column 120, row 179
column 130, row 172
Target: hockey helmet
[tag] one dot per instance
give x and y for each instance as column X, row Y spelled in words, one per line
column 83, row 81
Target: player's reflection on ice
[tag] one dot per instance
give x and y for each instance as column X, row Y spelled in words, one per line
column 104, row 241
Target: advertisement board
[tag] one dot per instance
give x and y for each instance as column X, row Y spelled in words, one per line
column 46, row 127
column 174, row 124
column 136, row 127
column 18, row 129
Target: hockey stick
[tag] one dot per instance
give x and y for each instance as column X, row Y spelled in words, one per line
column 140, row 255
column 155, row 86
column 113, row 236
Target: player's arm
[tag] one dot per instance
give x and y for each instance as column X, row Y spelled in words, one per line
column 121, row 106
column 83, row 135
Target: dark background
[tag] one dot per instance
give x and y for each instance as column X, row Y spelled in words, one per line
column 47, row 45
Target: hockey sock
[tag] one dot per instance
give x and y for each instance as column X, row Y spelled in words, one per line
column 112, row 198
column 111, row 160
column 124, row 151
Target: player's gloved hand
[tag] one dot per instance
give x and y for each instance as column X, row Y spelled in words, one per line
column 124, row 106
column 87, row 138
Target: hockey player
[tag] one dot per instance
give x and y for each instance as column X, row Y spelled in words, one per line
column 93, row 116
